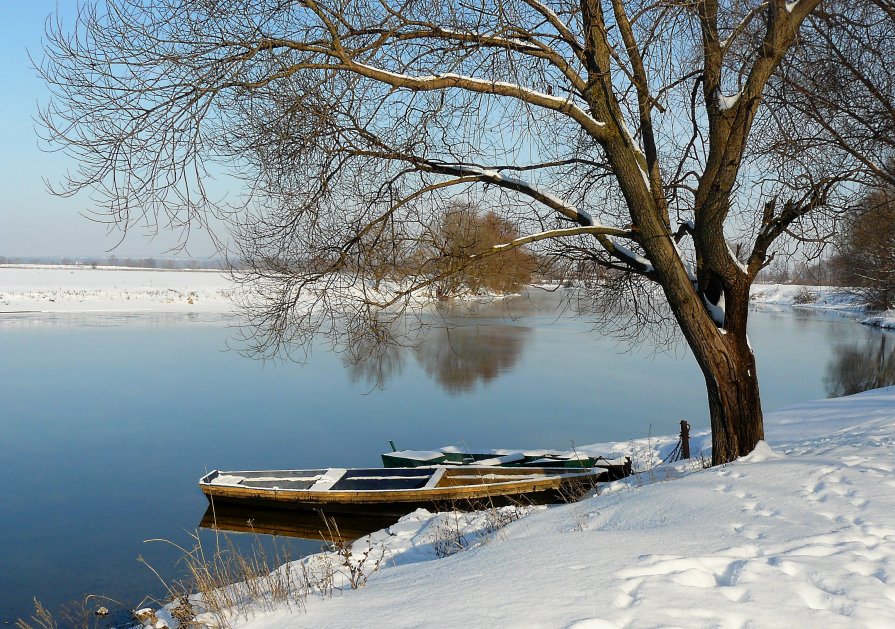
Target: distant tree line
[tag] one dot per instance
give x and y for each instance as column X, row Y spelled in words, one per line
column 863, row 256
column 115, row 261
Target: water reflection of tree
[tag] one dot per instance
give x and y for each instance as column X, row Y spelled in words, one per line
column 461, row 357
column 375, row 358
column 452, row 348
column 854, row 369
column 376, row 366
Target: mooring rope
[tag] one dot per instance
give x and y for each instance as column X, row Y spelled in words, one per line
column 675, row 454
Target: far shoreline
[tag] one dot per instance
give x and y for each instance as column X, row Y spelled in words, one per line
column 85, row 288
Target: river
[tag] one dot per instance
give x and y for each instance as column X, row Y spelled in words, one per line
column 107, row 421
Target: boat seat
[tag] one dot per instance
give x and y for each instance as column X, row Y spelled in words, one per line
column 355, row 480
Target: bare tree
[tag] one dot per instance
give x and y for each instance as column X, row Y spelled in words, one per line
column 466, row 234
column 866, row 249
column 639, row 138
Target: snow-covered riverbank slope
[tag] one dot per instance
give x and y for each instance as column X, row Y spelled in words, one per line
column 801, row 533
column 813, row 297
column 830, row 298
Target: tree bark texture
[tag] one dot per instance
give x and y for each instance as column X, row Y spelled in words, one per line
column 734, row 404
column 728, row 366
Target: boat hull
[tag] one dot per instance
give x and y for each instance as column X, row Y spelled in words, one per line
column 616, row 468
column 462, row 488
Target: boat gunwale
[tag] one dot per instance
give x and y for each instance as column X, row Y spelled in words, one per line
column 531, row 483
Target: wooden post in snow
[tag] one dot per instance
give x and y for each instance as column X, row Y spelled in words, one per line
column 685, row 439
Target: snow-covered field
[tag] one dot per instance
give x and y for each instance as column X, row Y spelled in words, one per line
column 801, row 533
column 47, row 288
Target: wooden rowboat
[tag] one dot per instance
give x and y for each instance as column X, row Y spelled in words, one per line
column 398, row 491
column 618, row 467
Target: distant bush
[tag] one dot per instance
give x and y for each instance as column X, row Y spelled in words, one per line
column 465, row 232
column 805, row 296
column 867, row 248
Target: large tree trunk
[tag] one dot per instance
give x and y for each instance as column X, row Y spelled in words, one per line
column 723, row 353
column 734, row 402
column 727, row 364
column 731, row 380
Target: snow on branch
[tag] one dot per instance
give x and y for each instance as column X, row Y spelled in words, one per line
column 716, row 311
column 606, row 236
column 498, row 88
column 630, row 257
column 554, row 233
column 523, row 43
column 727, row 102
column 497, row 178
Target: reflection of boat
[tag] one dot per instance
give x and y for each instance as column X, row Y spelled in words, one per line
column 292, row 523
column 615, row 468
column 398, row 491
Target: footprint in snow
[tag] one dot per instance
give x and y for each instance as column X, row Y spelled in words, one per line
column 593, row 623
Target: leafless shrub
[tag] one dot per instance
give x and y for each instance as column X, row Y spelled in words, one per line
column 449, row 537
column 497, row 518
column 226, row 582
column 455, row 531
column 805, row 296
column 466, row 231
column 355, row 568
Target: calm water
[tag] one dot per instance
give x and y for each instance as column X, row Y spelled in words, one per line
column 106, row 422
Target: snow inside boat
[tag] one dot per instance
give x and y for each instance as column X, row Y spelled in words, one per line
column 617, row 467
column 400, row 490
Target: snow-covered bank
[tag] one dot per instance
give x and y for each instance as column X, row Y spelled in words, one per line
column 57, row 289
column 82, row 289
column 885, row 319
column 830, row 298
column 47, row 288
column 802, row 531
column 814, row 297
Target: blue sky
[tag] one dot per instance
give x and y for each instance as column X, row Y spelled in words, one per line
column 32, row 221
